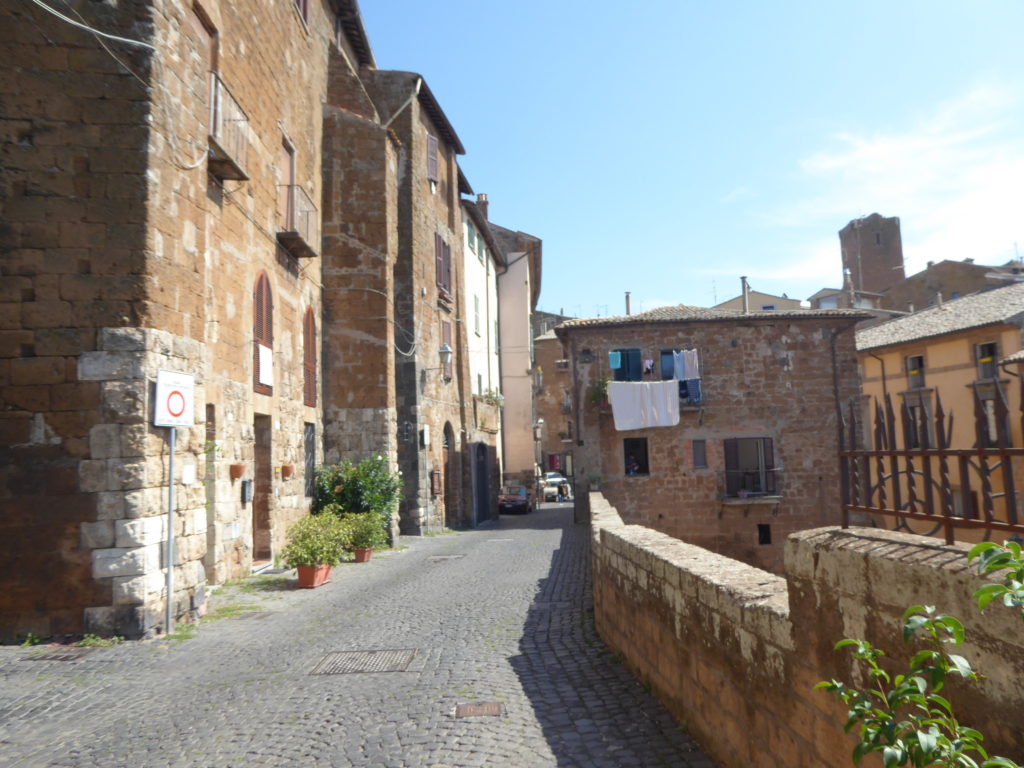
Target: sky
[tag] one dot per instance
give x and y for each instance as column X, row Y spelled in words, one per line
column 667, row 147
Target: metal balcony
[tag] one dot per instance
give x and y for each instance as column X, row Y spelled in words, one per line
column 300, row 231
column 229, row 133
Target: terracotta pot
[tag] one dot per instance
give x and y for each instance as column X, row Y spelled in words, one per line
column 236, row 470
column 287, row 470
column 311, row 576
column 363, row 554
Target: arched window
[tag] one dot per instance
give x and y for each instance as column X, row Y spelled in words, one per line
column 263, row 336
column 309, row 358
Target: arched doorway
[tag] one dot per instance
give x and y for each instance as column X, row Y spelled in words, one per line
column 481, row 484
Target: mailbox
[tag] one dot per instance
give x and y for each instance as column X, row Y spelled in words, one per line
column 246, row 491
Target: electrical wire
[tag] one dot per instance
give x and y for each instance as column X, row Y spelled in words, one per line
column 86, row 27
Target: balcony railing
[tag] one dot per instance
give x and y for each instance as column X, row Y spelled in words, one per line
column 300, row 231
column 229, row 133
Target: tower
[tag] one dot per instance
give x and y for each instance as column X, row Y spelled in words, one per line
column 872, row 251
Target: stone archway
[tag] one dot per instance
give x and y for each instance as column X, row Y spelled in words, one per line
column 448, row 476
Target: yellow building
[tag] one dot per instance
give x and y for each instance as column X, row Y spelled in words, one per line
column 952, row 354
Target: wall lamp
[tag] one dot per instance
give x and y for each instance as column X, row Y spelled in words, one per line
column 444, row 354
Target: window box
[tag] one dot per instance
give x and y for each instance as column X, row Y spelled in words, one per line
column 300, row 231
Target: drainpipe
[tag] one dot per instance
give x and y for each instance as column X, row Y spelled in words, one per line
column 885, row 385
column 746, row 294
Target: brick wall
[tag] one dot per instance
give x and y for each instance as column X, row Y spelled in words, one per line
column 734, row 652
column 872, row 249
column 760, row 378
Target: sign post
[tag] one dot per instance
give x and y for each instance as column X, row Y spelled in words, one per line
column 175, row 407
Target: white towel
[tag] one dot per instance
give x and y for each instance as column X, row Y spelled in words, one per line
column 691, row 365
column 640, row 404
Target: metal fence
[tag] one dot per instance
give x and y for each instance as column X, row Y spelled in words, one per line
column 899, row 464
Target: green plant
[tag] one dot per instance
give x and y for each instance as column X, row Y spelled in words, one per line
column 316, row 540
column 597, row 393
column 903, row 716
column 95, row 641
column 348, row 488
column 31, row 639
column 493, row 397
column 365, row 531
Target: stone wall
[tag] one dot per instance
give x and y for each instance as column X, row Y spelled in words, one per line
column 734, row 651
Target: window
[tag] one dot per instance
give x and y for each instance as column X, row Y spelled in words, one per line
column 668, row 368
column 878, row 238
column 446, row 338
column 749, row 466
column 443, row 264
column 915, row 371
column 285, row 190
column 476, row 314
column 432, row 164
column 309, row 358
column 985, row 354
column 700, row 454
column 479, row 384
column 990, row 425
column 764, row 534
column 767, row 307
column 471, row 235
column 625, row 364
column 917, row 427
column 634, row 454
column 303, row 8
column 309, row 455
column 263, row 336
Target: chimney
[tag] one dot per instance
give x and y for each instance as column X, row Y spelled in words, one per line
column 746, row 294
column 481, row 203
column 627, row 302
column 931, row 264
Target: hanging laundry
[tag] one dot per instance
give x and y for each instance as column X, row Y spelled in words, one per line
column 648, row 366
column 614, row 360
column 691, row 365
column 663, row 408
column 641, row 404
column 677, row 365
column 693, row 393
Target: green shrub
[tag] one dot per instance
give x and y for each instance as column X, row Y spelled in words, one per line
column 316, row 540
column 347, row 488
column 365, row 530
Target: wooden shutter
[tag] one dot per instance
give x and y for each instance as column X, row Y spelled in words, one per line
column 447, row 267
column 432, row 174
column 446, row 338
column 733, row 476
column 439, row 258
column 633, row 364
column 770, row 484
column 309, row 359
column 263, row 328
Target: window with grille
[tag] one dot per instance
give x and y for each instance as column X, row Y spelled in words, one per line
column 915, row 371
column 985, row 354
column 309, row 358
column 263, row 336
column 749, row 466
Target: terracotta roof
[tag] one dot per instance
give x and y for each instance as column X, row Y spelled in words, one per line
column 1016, row 357
column 684, row 313
column 999, row 305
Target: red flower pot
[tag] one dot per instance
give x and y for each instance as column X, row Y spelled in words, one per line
column 363, row 554
column 311, row 576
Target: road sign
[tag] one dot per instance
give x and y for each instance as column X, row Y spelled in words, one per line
column 175, row 399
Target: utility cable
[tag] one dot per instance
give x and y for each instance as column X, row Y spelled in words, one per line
column 86, row 27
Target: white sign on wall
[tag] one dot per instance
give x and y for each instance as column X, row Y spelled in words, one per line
column 175, row 399
column 266, row 365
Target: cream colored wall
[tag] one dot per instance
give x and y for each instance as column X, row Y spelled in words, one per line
column 516, row 364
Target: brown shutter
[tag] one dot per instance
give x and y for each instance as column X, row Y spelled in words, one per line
column 771, row 486
column 448, row 267
column 733, row 477
column 432, row 174
column 446, row 338
column 439, row 258
column 309, row 358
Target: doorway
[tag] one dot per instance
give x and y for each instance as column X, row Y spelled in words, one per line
column 448, row 475
column 482, row 488
column 262, row 490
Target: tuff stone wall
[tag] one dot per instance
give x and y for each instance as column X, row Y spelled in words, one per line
column 760, row 378
column 734, row 651
column 872, row 249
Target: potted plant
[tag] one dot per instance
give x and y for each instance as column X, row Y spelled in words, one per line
column 366, row 531
column 598, row 392
column 315, row 546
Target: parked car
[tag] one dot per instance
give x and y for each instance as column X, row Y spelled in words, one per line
column 550, row 484
column 514, row 498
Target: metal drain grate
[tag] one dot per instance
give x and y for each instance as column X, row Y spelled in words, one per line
column 483, row 709
column 254, row 615
column 442, row 558
column 348, row 662
column 66, row 654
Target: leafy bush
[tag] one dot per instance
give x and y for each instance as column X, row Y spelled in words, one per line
column 365, row 530
column 316, row 540
column 348, row 488
column 903, row 716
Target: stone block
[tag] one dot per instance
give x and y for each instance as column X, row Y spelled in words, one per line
column 104, row 441
column 126, row 474
column 109, row 366
column 37, row 370
column 137, row 590
column 110, row 505
column 145, row 502
column 125, row 402
column 92, row 476
column 101, row 620
column 120, row 561
column 97, row 535
column 140, row 532
column 195, row 521
column 122, row 339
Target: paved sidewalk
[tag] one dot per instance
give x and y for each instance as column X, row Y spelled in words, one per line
column 500, row 618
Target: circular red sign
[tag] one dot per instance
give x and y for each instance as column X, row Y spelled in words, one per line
column 170, row 408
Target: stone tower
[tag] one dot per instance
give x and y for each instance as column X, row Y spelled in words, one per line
column 872, row 252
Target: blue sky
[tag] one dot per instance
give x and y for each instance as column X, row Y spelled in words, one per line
column 667, row 147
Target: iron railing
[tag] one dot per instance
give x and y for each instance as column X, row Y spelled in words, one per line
column 300, row 230
column 229, row 133
column 903, row 468
column 749, row 483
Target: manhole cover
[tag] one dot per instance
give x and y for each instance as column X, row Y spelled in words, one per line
column 347, row 662
column 254, row 615
column 442, row 558
column 65, row 654
column 483, row 709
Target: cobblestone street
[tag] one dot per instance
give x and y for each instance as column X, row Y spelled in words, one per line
column 499, row 616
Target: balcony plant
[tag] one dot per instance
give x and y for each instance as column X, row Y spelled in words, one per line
column 315, row 545
column 597, row 394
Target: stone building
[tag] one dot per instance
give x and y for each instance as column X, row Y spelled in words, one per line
column 161, row 210
column 751, row 453
column 554, row 404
